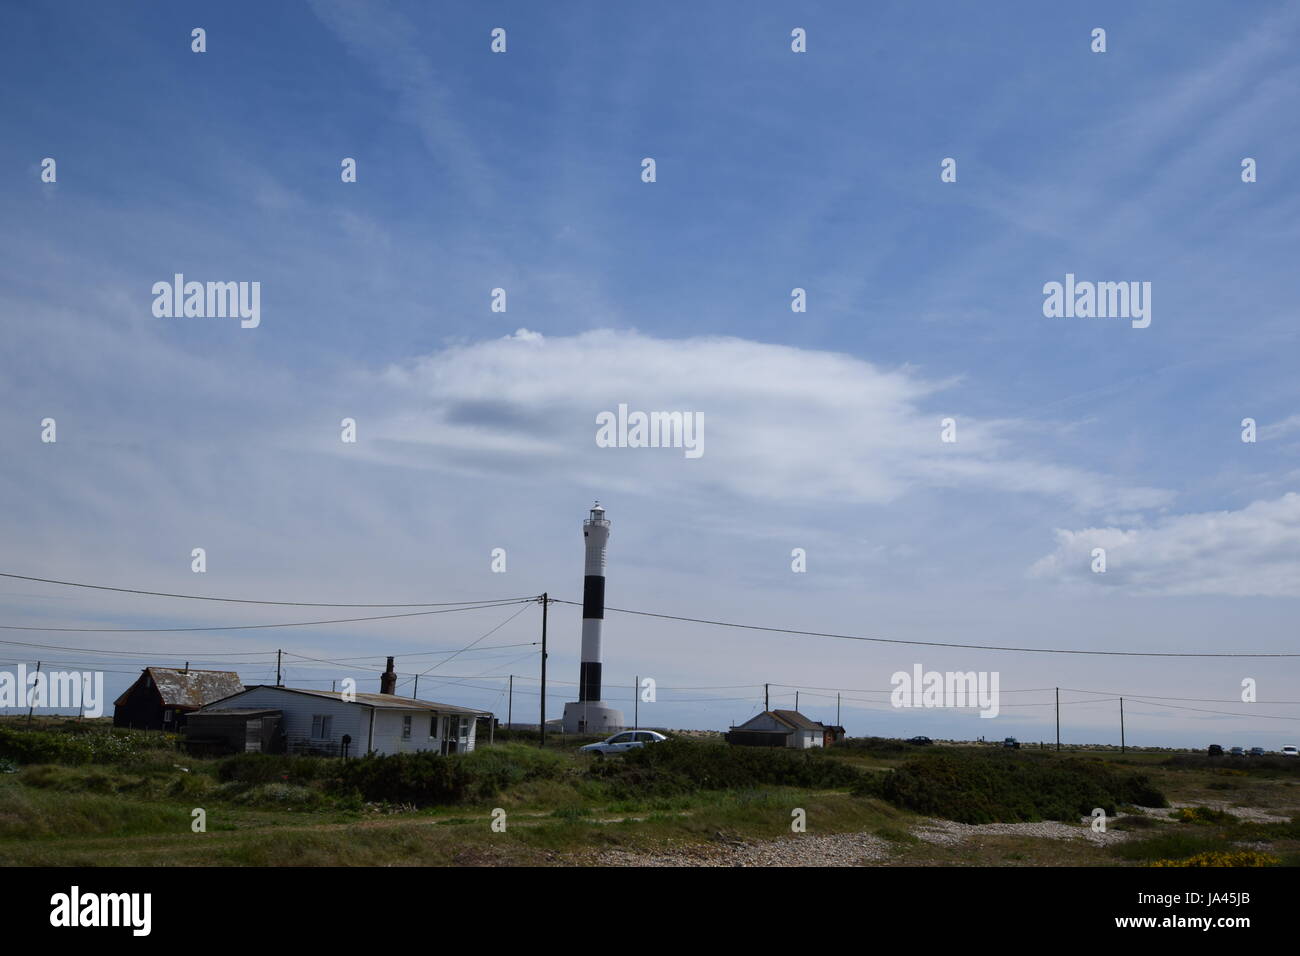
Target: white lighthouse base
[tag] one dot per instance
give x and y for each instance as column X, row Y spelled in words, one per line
column 592, row 717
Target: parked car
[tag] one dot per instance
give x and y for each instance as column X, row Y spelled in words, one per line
column 621, row 743
column 1236, row 752
column 1257, row 751
column 1011, row 743
column 919, row 741
column 1289, row 752
column 1214, row 751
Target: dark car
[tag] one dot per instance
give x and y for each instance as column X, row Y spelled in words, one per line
column 920, row 741
column 1258, row 752
column 1236, row 752
column 1214, row 750
column 1011, row 743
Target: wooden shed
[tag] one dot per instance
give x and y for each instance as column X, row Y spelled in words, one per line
column 161, row 697
column 235, row 731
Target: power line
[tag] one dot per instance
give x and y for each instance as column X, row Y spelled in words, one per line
column 1194, row 700
column 97, row 650
column 200, row 597
column 254, row 627
column 484, row 637
column 894, row 640
column 1202, row 710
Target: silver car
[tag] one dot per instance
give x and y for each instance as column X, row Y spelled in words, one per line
column 621, row 743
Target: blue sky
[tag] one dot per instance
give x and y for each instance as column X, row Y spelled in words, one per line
column 775, row 170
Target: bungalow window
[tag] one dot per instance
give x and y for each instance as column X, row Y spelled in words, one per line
column 406, row 727
column 433, row 725
column 321, row 726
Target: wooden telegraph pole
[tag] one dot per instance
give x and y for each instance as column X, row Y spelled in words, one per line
column 542, row 724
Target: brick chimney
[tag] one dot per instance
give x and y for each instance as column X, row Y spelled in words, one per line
column 388, row 680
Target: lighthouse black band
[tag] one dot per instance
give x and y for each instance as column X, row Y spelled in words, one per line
column 589, row 681
column 593, row 597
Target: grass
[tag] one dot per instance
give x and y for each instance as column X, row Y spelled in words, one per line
column 130, row 803
column 1011, row 786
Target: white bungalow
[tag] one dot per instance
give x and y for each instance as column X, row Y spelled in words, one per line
column 779, row 728
column 324, row 722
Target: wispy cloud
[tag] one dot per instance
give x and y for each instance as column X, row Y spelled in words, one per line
column 1247, row 553
column 782, row 422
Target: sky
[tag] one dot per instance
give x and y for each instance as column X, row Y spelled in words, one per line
column 476, row 429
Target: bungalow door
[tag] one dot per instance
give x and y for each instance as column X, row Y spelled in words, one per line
column 455, row 735
column 446, row 730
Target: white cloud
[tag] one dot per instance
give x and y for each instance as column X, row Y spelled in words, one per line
column 1279, row 429
column 780, row 422
column 1247, row 553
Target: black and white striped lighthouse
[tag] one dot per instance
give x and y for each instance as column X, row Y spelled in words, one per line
column 595, row 532
column 589, row 714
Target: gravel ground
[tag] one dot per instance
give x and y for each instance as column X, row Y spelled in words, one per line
column 948, row 833
column 857, row 849
column 1253, row 814
column 840, row 849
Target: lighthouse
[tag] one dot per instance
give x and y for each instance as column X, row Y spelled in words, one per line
column 589, row 714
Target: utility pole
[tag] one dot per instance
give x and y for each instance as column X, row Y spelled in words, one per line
column 837, row 711
column 542, row 724
column 278, row 681
column 636, row 703
column 796, row 701
column 31, row 700
column 1122, row 747
column 416, row 693
column 510, row 705
column 1058, row 719
column 766, row 706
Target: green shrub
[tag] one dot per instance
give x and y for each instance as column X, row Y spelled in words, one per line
column 1204, row 815
column 426, row 778
column 1009, row 787
column 879, row 746
column 1224, row 858
column 83, row 745
column 40, row 746
column 254, row 768
column 684, row 766
column 1169, row 844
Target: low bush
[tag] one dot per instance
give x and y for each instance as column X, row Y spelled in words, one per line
column 1224, row 858
column 1169, row 844
column 1236, row 766
column 254, row 768
column 1010, row 787
column 878, row 746
column 426, row 778
column 1204, row 816
column 97, row 745
column 683, row 766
